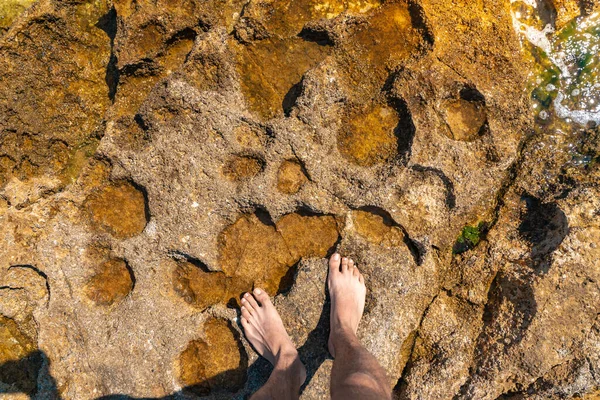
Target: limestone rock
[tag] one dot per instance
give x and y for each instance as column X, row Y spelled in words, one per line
column 158, row 159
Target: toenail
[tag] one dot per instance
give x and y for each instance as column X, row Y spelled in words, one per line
column 336, row 256
column 243, row 308
column 243, row 300
column 257, row 291
column 247, row 294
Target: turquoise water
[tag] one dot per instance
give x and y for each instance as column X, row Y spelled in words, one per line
column 566, row 83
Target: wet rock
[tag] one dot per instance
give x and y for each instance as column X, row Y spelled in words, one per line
column 254, row 252
column 269, row 68
column 566, row 10
column 48, row 144
column 198, row 287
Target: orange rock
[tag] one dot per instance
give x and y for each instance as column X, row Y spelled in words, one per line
column 255, row 253
column 308, row 235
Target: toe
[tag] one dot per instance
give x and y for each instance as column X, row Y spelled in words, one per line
column 245, row 305
column 334, row 263
column 350, row 265
column 344, row 264
column 245, row 322
column 251, row 302
column 361, row 279
column 356, row 272
column 262, row 297
column 245, row 314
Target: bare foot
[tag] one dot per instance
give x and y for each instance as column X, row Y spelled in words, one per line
column 265, row 331
column 347, row 291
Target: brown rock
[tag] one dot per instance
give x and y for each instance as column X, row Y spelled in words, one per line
column 377, row 229
column 290, row 177
column 255, row 253
column 45, row 143
column 269, row 68
column 368, row 136
column 112, row 282
column 198, row 287
column 215, row 362
column 252, row 252
column 308, row 235
column 410, row 119
column 464, row 118
column 242, row 167
column 566, row 10
column 19, row 360
column 118, row 208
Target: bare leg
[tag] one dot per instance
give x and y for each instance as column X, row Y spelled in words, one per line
column 356, row 374
column 266, row 333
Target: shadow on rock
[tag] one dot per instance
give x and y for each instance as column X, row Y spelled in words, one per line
column 29, row 375
column 544, row 226
column 511, row 305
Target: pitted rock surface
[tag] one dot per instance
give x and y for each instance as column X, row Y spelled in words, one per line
column 159, row 158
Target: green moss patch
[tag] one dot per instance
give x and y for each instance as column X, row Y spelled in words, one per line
column 469, row 237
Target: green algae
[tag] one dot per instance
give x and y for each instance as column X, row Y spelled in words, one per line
column 469, row 237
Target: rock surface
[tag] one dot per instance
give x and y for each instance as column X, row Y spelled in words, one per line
column 158, row 159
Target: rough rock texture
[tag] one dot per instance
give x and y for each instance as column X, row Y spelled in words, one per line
column 159, row 158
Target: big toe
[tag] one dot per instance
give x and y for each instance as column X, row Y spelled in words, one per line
column 262, row 297
column 334, row 263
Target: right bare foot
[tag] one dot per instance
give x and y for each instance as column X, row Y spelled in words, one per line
column 265, row 331
column 347, row 292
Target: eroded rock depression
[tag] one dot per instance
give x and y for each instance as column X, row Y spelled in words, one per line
column 159, row 158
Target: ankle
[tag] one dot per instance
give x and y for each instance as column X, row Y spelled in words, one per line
column 286, row 357
column 343, row 337
column 343, row 330
column 289, row 363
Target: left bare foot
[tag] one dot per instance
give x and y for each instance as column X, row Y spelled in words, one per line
column 265, row 331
